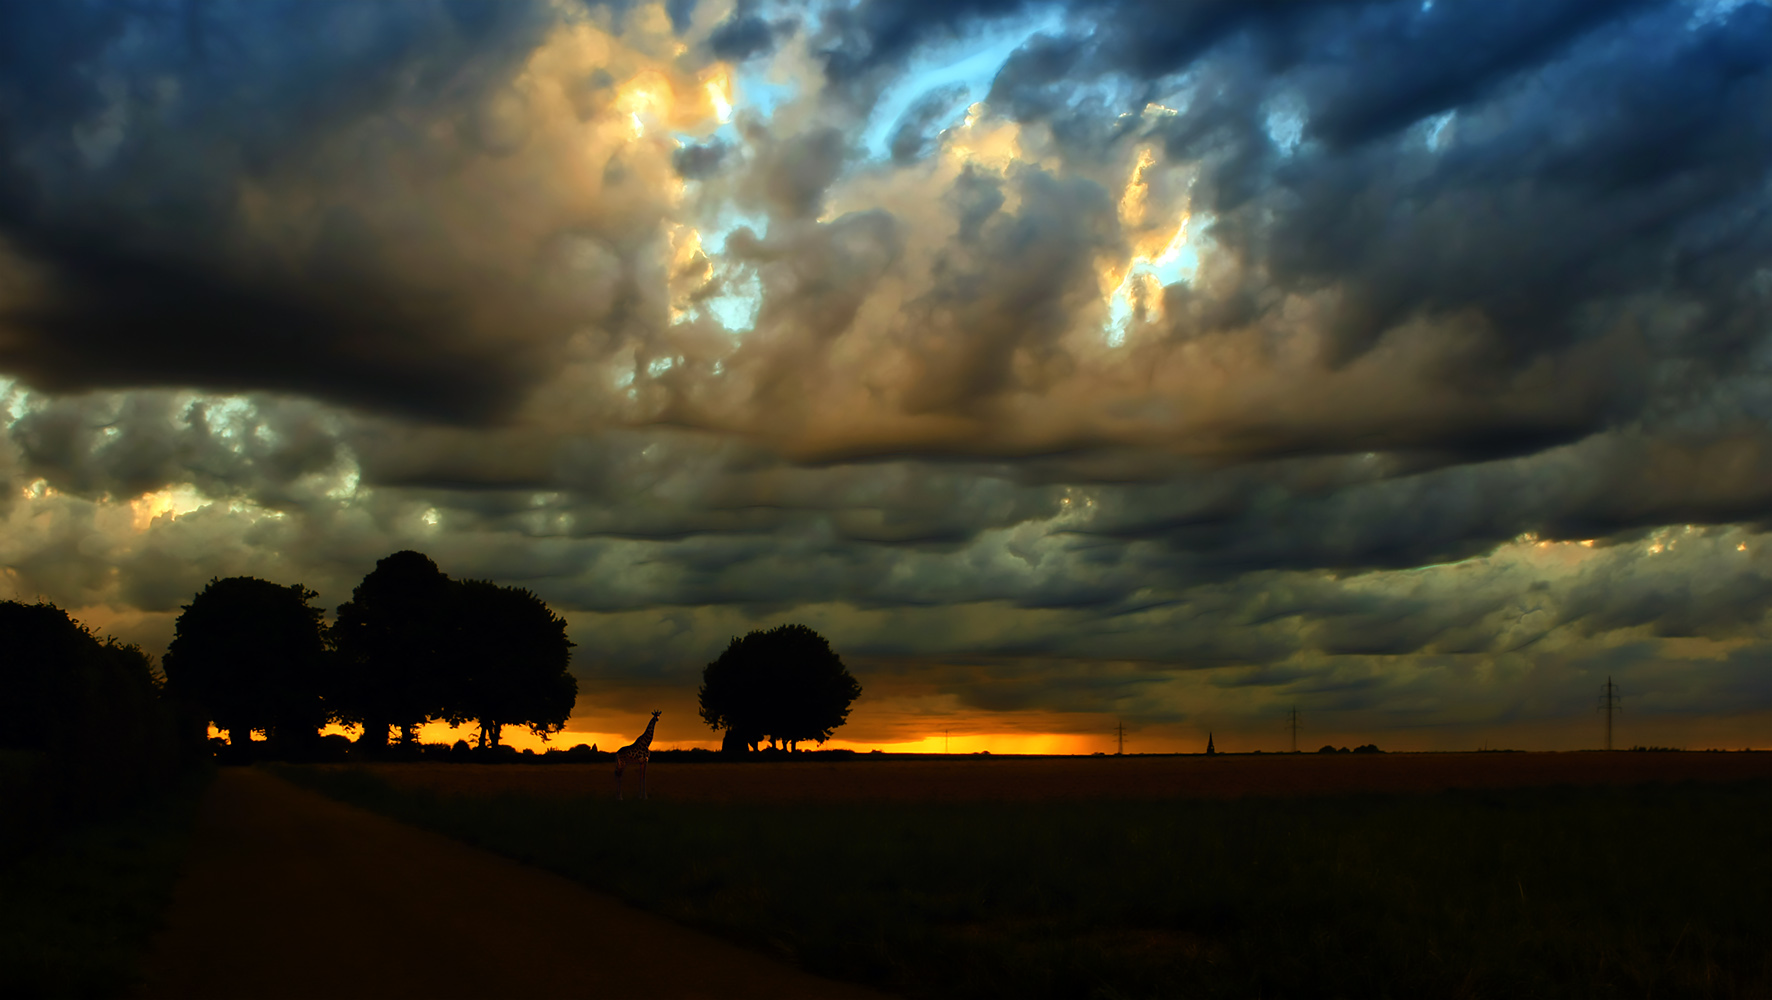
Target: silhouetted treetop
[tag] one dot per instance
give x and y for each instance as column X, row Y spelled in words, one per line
column 785, row 683
column 252, row 654
column 47, row 660
column 510, row 661
column 415, row 645
column 393, row 638
column 90, row 705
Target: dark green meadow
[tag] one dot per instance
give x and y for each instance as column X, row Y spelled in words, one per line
column 80, row 901
column 1566, row 892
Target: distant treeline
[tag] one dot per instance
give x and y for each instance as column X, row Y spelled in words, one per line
column 410, row 646
column 462, row 752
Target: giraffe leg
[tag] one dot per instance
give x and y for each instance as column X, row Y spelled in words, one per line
column 642, row 780
column 618, row 782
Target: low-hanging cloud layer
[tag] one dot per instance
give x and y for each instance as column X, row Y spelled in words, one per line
column 1407, row 363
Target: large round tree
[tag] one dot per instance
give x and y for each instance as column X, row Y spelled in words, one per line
column 511, row 655
column 395, row 648
column 786, row 684
column 251, row 654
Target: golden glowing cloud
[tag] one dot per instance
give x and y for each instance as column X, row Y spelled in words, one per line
column 689, row 268
column 1132, row 200
column 986, row 143
column 1133, row 289
column 719, row 90
column 171, row 502
column 646, row 96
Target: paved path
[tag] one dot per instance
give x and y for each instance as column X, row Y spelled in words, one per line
column 290, row 894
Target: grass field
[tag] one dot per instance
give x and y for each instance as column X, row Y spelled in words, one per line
column 79, row 910
column 967, row 778
column 1633, row 890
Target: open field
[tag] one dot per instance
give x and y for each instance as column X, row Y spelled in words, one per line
column 1490, row 875
column 967, row 778
column 81, row 906
column 257, row 913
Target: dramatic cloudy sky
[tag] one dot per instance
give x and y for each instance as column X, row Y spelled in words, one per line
column 1179, row 363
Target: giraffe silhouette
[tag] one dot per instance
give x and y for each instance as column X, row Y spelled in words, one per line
column 637, row 752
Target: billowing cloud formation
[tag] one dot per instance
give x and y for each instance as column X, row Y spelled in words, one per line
column 1403, row 361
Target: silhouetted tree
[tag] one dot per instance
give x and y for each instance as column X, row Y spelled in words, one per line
column 91, row 706
column 736, row 691
column 394, row 641
column 510, row 662
column 251, row 654
column 786, row 683
column 41, row 665
column 56, row 678
column 735, row 741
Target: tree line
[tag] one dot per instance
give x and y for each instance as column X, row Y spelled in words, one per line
column 88, row 729
column 411, row 646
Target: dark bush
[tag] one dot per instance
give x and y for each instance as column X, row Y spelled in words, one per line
column 91, row 709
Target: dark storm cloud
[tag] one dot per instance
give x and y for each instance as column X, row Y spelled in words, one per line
column 1556, row 201
column 873, row 38
column 797, row 169
column 124, row 445
column 1417, row 61
column 1031, row 84
column 1597, row 204
column 1551, row 248
column 1009, row 294
column 1365, row 512
column 1637, row 143
column 695, row 161
column 1720, row 599
column 126, row 135
column 912, row 134
column 742, row 37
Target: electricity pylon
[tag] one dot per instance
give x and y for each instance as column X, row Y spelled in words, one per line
column 1293, row 723
column 1609, row 704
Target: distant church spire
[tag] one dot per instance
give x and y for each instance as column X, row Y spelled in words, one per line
column 1209, row 750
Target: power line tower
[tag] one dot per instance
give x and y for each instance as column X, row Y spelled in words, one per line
column 1293, row 724
column 1609, row 704
column 1120, row 729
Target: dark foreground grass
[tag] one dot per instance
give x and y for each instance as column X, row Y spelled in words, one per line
column 77, row 913
column 1650, row 891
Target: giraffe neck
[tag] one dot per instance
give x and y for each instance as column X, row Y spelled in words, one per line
column 645, row 739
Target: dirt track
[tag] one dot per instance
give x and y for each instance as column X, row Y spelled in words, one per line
column 288, row 894
column 976, row 778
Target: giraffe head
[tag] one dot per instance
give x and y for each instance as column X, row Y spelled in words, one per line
column 655, row 716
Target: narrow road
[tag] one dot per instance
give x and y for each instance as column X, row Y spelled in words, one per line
column 290, row 894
